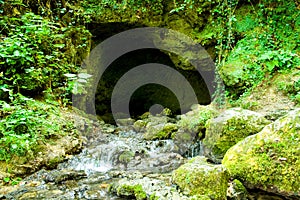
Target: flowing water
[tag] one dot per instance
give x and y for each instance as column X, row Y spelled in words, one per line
column 105, row 159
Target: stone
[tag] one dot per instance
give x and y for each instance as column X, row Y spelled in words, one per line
column 232, row 126
column 194, row 121
column 237, row 191
column 197, row 177
column 270, row 159
column 160, row 131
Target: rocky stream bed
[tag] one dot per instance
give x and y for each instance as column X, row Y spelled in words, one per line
column 156, row 158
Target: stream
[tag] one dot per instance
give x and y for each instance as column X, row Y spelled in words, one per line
column 110, row 160
column 107, row 158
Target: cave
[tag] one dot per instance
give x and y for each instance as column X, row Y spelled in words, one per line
column 149, row 97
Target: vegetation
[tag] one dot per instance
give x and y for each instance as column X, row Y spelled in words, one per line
column 257, row 41
column 43, row 44
column 270, row 159
column 26, row 124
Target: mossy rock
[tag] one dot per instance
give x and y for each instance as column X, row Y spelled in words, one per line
column 126, row 156
column 140, row 125
column 197, row 177
column 195, row 120
column 270, row 159
column 160, row 131
column 237, row 191
column 131, row 191
column 232, row 126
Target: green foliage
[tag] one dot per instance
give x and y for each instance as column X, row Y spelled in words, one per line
column 267, row 35
column 14, row 181
column 26, row 122
column 132, row 190
column 98, row 9
column 36, row 53
column 290, row 86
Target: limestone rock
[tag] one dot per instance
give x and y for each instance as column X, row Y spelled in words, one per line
column 270, row 159
column 232, row 126
column 197, row 177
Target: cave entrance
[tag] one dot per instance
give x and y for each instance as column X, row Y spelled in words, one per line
column 150, row 96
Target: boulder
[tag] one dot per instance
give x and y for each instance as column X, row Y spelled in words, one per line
column 197, row 177
column 194, row 121
column 160, row 131
column 232, row 126
column 270, row 159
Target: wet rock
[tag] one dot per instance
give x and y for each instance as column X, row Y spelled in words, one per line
column 232, row 126
column 194, row 121
column 159, row 131
column 270, row 159
column 237, row 191
column 125, row 122
column 153, row 186
column 60, row 176
column 197, row 177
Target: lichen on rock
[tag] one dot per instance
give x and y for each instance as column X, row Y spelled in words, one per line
column 197, row 177
column 270, row 159
column 232, row 126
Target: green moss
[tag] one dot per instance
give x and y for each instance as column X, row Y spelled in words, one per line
column 195, row 120
column 269, row 160
column 53, row 162
column 132, row 190
column 160, row 131
column 153, row 197
column 200, row 197
column 239, row 187
column 231, row 127
column 200, row 178
column 126, row 156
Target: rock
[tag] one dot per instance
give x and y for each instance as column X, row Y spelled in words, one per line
column 125, row 157
column 140, row 125
column 195, row 120
column 59, row 176
column 132, row 190
column 154, row 186
column 270, row 159
column 159, row 131
column 234, row 76
column 125, row 122
column 237, row 191
column 230, row 127
column 197, row 177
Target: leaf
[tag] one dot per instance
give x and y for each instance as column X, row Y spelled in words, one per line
column 6, row 179
column 70, row 75
column 271, row 65
column 16, row 53
column 84, row 75
column 82, row 81
column 59, row 45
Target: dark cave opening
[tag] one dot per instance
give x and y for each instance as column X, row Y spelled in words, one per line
column 147, row 95
column 153, row 98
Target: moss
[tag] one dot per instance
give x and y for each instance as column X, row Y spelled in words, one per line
column 132, row 190
column 197, row 177
column 53, row 162
column 195, row 120
column 239, row 187
column 269, row 160
column 160, row 131
column 139, row 125
column 231, row 127
column 126, row 156
column 153, row 197
column 200, row 197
